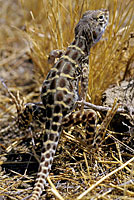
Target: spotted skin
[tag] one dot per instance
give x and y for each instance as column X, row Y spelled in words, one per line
column 86, row 117
column 61, row 91
column 31, row 112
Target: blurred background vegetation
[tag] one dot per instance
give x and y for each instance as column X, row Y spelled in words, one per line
column 39, row 26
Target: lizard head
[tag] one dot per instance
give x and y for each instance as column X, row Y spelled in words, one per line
column 92, row 25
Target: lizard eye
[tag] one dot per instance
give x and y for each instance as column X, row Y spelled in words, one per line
column 101, row 17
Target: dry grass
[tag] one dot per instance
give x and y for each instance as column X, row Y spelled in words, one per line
column 55, row 26
column 105, row 173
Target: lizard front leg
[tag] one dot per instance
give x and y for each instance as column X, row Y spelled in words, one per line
column 54, row 54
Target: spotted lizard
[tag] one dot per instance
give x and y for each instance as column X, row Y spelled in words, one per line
column 65, row 84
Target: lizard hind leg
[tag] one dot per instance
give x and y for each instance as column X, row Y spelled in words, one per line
column 31, row 112
column 86, row 117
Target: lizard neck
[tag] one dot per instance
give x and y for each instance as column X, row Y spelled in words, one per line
column 81, row 42
column 77, row 51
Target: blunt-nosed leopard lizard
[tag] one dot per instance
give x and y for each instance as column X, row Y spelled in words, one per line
column 61, row 91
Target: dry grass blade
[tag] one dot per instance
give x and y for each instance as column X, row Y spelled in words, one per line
column 19, row 103
column 112, row 188
column 53, row 188
column 121, row 143
column 104, row 178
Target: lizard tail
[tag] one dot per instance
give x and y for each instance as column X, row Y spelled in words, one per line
column 51, row 138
